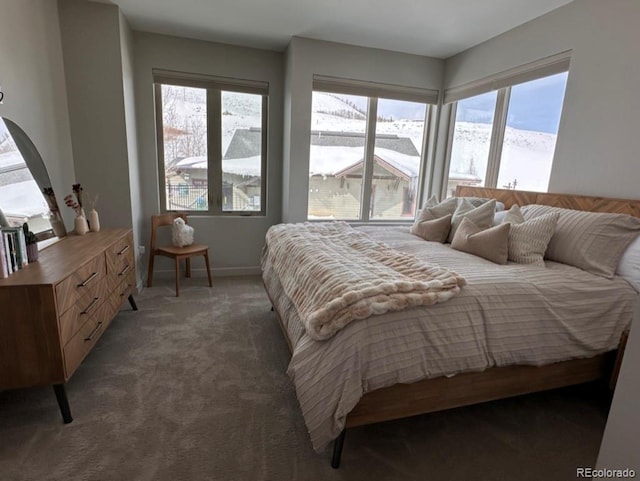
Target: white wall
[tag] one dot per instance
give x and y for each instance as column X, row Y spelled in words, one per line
column 32, row 79
column 306, row 57
column 598, row 141
column 93, row 69
column 234, row 242
column 619, row 448
column 135, row 181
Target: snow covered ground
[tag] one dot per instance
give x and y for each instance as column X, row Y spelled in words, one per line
column 527, row 155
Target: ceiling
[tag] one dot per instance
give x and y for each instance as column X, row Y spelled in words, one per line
column 436, row 28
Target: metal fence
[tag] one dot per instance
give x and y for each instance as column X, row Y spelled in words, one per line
column 195, row 197
column 187, row 197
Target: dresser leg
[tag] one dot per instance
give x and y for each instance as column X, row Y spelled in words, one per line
column 63, row 402
column 132, row 301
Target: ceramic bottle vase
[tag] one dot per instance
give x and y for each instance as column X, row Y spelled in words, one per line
column 80, row 225
column 94, row 221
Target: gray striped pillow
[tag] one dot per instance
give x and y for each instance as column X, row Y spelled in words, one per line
column 528, row 240
column 592, row 241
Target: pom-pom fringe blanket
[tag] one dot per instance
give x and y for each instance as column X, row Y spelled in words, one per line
column 335, row 274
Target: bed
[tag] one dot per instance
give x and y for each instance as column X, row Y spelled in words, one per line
column 471, row 348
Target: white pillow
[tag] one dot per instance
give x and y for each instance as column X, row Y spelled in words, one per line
column 513, row 215
column 478, row 201
column 629, row 265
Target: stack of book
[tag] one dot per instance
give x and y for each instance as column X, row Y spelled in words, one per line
column 13, row 250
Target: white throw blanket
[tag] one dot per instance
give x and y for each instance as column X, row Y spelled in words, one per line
column 335, row 274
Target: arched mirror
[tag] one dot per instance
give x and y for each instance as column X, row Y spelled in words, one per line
column 24, row 181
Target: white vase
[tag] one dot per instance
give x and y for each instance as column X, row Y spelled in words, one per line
column 94, row 221
column 80, row 225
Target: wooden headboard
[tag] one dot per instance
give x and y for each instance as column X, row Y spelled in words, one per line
column 567, row 201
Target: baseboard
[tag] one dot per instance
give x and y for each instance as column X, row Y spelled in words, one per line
column 215, row 272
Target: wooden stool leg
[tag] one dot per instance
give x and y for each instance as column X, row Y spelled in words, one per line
column 150, row 274
column 206, row 260
column 177, row 277
column 187, row 263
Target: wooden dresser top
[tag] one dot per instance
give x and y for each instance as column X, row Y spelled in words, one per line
column 61, row 259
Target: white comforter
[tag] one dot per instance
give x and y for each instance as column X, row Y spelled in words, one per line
column 513, row 314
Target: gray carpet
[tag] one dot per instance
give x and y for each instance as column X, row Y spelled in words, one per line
column 195, row 389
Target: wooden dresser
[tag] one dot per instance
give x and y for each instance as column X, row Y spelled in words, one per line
column 53, row 311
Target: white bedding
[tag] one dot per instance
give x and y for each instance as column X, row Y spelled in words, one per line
column 513, row 314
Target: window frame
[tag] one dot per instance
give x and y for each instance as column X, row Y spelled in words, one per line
column 374, row 91
column 502, row 82
column 214, row 87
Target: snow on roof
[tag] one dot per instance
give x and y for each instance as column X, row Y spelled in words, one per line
column 330, row 160
column 199, row 162
column 408, row 164
column 250, row 166
column 244, row 166
column 325, row 160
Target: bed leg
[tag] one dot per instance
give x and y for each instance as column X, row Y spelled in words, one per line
column 337, row 449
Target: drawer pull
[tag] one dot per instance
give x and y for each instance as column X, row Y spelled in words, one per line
column 93, row 304
column 125, row 270
column 125, row 249
column 89, row 279
column 93, row 333
column 124, row 293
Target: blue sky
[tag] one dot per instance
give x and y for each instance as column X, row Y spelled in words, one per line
column 534, row 105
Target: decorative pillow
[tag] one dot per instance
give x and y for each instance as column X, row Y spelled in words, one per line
column 629, row 265
column 434, row 230
column 513, row 215
column 481, row 216
column 592, row 241
column 433, row 209
column 528, row 240
column 491, row 244
column 478, row 201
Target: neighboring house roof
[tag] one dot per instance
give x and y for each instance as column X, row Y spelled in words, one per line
column 399, row 165
column 247, row 142
column 171, row 133
column 339, row 161
column 331, row 153
column 241, row 166
column 404, row 145
column 244, row 143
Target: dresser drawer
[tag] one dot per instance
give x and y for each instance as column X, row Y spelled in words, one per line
column 119, row 256
column 84, row 340
column 122, row 290
column 75, row 317
column 83, row 282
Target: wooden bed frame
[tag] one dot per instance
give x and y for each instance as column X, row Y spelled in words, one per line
column 438, row 394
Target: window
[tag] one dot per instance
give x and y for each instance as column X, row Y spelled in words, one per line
column 471, row 141
column 506, row 138
column 211, row 143
column 533, row 117
column 366, row 152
